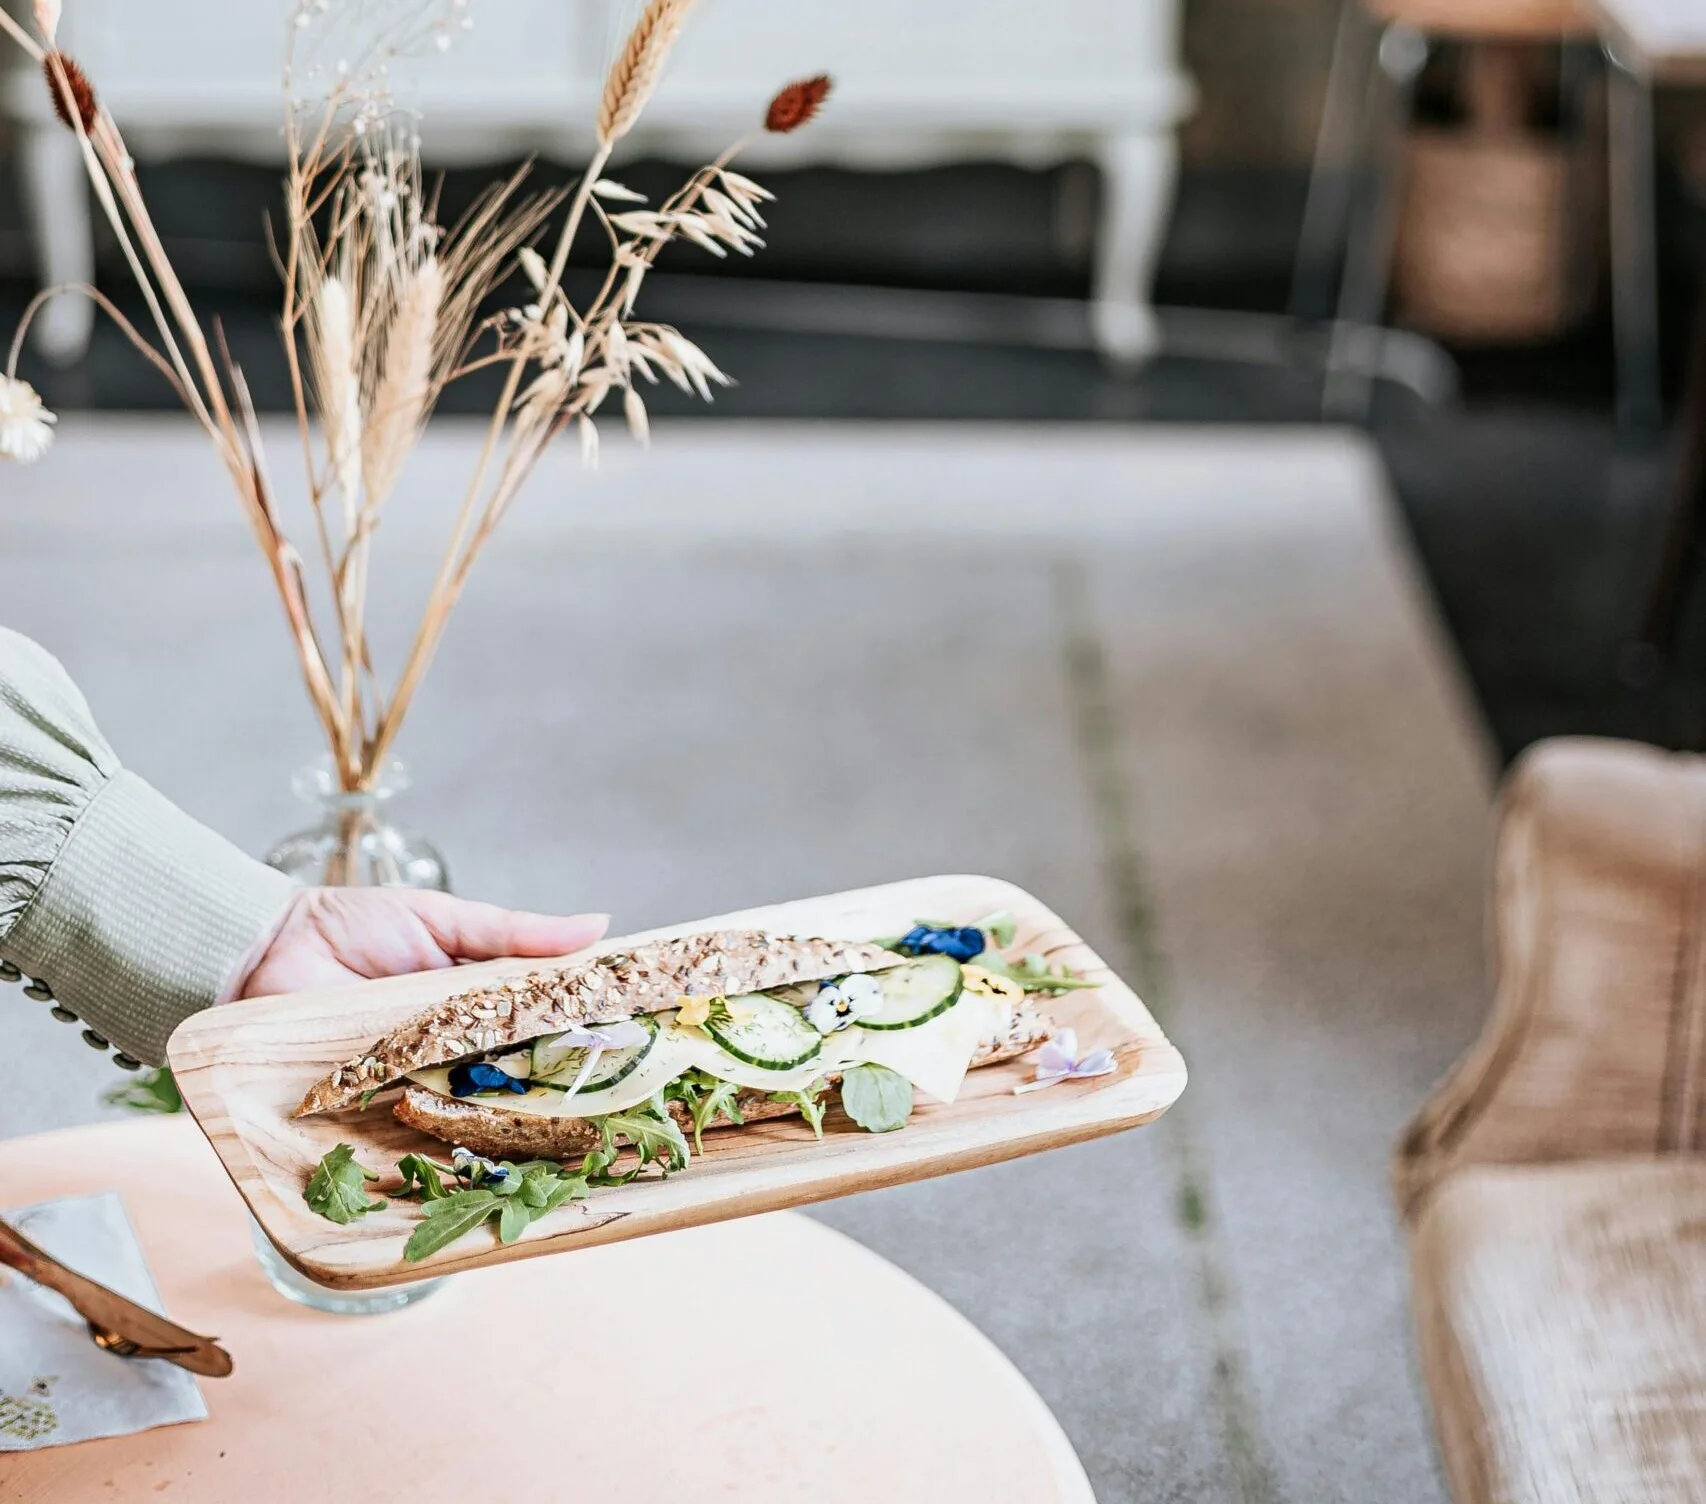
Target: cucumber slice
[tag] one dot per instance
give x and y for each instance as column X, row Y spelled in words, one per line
column 915, row 993
column 557, row 1066
column 766, row 1032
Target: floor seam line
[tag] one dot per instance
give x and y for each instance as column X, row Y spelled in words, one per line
column 1096, row 734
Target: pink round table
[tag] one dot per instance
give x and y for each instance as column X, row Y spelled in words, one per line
column 623, row 1372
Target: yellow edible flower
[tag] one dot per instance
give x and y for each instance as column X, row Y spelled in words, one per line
column 988, row 984
column 694, row 1011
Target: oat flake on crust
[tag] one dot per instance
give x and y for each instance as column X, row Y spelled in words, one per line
column 647, row 979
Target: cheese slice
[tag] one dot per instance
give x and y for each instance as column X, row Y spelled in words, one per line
column 934, row 1057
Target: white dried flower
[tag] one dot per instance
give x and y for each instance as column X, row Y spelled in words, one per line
column 26, row 426
column 47, row 18
column 634, row 409
column 533, row 266
column 589, row 442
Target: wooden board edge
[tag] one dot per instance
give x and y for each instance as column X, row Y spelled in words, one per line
column 621, row 1226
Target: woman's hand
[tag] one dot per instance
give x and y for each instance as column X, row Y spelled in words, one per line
column 330, row 936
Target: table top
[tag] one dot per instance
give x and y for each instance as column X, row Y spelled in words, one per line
column 1664, row 38
column 880, row 1390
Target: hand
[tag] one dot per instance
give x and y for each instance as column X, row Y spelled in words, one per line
column 330, row 936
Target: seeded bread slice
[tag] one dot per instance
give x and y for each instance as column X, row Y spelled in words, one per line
column 490, row 1130
column 498, row 1134
column 602, row 989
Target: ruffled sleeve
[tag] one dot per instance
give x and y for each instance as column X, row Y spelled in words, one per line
column 134, row 914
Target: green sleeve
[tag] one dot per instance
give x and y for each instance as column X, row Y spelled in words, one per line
column 134, row 914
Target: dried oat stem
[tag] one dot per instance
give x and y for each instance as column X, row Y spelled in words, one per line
column 106, row 305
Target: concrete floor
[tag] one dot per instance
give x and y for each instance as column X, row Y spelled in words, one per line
column 1180, row 683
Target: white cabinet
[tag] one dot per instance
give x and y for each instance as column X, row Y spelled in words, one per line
column 917, row 81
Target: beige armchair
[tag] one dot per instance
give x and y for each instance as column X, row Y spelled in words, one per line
column 1554, row 1185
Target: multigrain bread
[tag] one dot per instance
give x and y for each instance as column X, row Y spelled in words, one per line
column 522, row 1135
column 647, row 979
column 492, row 1131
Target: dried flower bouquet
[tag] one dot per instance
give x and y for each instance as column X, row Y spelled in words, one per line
column 383, row 307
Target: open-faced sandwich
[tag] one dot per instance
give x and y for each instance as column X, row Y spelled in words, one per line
column 642, row 1049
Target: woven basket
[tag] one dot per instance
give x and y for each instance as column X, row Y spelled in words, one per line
column 1496, row 242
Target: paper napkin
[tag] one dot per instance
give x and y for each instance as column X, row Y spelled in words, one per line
column 56, row 1386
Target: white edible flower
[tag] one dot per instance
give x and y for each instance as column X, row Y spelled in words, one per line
column 26, row 426
column 864, row 994
column 838, row 1005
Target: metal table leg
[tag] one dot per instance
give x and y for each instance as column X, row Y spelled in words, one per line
column 1675, row 569
column 1357, row 336
column 1338, row 167
column 1634, row 248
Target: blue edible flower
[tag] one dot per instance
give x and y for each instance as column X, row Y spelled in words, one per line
column 476, row 1168
column 476, row 1076
column 943, row 940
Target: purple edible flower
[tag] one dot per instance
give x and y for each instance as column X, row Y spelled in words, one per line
column 472, row 1076
column 961, row 942
column 1058, row 1060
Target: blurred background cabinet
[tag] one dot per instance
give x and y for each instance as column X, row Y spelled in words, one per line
column 917, row 84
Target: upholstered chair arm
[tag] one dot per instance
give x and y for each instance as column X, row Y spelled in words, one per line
column 1596, row 1045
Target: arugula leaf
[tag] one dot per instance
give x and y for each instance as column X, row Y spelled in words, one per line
column 337, row 1190
column 517, row 1214
column 876, row 1098
column 1000, row 928
column 151, row 1091
column 810, row 1102
column 568, row 1188
column 445, row 1221
column 723, row 1098
column 596, row 1167
column 1032, row 973
column 650, row 1131
column 525, row 1194
column 421, row 1175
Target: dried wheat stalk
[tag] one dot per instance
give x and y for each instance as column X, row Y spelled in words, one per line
column 635, row 74
column 383, row 308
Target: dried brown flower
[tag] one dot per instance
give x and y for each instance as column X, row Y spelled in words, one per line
column 796, row 104
column 82, row 92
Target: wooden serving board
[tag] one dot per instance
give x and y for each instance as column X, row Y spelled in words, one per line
column 244, row 1067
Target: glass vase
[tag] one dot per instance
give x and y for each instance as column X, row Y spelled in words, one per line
column 353, row 844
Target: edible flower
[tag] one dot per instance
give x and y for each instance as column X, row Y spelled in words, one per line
column 962, row 942
column 476, row 1167
column 695, row 1010
column 989, row 984
column 615, row 1036
column 838, row 1005
column 471, row 1076
column 1058, row 1061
